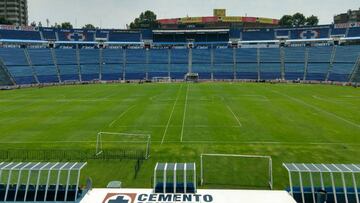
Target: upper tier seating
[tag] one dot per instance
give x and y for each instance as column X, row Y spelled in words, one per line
column 20, row 35
column 261, row 34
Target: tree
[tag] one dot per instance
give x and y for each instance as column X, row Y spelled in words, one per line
column 286, row 21
column 5, row 21
column 146, row 19
column 33, row 24
column 89, row 27
column 66, row 25
column 299, row 19
column 312, row 20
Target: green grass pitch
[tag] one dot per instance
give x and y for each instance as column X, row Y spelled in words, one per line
column 290, row 122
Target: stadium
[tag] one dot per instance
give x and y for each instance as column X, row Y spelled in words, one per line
column 215, row 113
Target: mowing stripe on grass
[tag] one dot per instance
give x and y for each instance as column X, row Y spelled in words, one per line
column 172, row 111
column 237, row 119
column 317, row 108
column 121, row 115
column 192, row 142
column 183, row 123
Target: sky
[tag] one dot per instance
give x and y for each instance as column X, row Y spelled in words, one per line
column 118, row 13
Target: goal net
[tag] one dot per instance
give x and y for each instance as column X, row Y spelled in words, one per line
column 126, row 145
column 161, row 79
column 236, row 171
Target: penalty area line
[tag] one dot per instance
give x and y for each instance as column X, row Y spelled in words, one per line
column 237, row 119
column 172, row 111
column 121, row 115
column 183, row 123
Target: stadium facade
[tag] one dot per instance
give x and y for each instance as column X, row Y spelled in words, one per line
column 218, row 20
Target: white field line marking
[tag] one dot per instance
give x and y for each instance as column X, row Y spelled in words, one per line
column 259, row 142
column 317, row 108
column 237, row 119
column 190, row 142
column 187, row 126
column 121, row 115
column 183, row 123
column 172, row 111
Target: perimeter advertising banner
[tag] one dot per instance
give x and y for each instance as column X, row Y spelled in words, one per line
column 187, row 20
column 212, row 19
column 347, row 25
column 169, row 21
column 231, row 19
column 15, row 27
column 202, row 196
column 265, row 20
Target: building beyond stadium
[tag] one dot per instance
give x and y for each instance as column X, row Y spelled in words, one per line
column 218, row 20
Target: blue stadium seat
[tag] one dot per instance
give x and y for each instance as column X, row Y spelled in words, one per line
column 113, row 64
column 354, row 32
column 345, row 60
column 125, row 36
column 22, row 35
column 223, row 68
column 67, row 63
column 258, row 34
column 294, row 63
column 319, row 60
column 43, row 64
column 270, row 63
column 247, row 67
column 202, row 62
column 89, row 60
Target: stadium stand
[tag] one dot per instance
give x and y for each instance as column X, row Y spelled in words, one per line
column 125, row 36
column 48, row 34
column 295, row 62
column 43, row 64
column 354, row 32
column 270, row 63
column 5, row 77
column 338, row 32
column 319, row 59
column 89, row 62
column 113, row 64
column 300, row 63
column 14, row 59
column 247, row 66
column 17, row 34
column 179, row 63
column 344, row 62
column 122, row 56
column 256, row 34
column 67, row 62
column 158, row 63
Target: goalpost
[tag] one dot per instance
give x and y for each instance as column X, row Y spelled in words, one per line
column 243, row 171
column 126, row 143
column 161, row 79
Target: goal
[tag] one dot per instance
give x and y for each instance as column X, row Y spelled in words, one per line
column 126, row 145
column 161, row 79
column 237, row 171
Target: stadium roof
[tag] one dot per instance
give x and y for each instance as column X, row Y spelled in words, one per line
column 323, row 168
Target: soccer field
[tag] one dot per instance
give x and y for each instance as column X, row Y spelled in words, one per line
column 290, row 122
